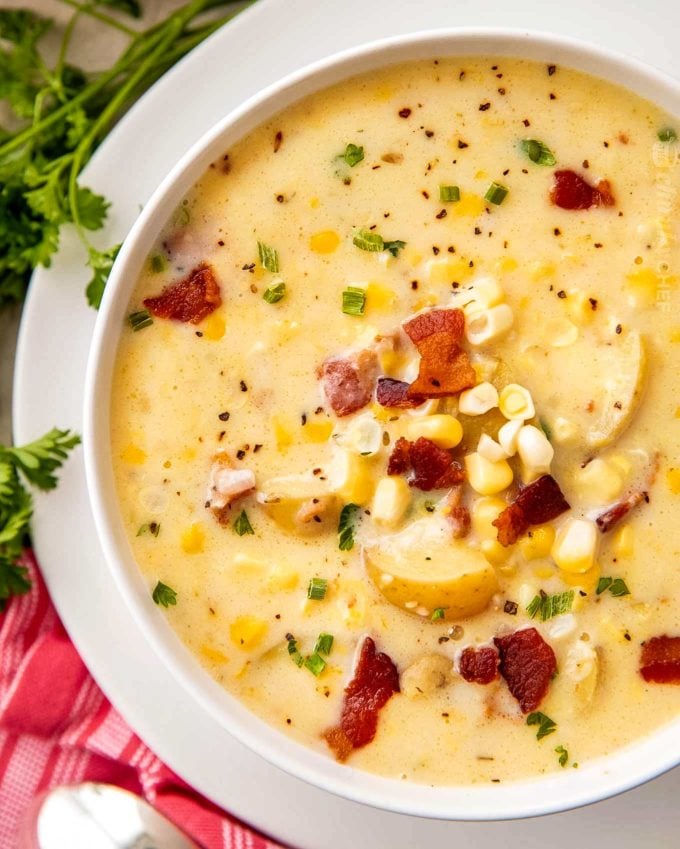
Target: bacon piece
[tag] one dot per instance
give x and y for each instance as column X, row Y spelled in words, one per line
column 191, row 299
column 348, row 382
column 227, row 484
column 527, row 663
column 394, row 394
column 457, row 514
column 571, row 191
column 445, row 368
column 433, row 467
column 479, row 666
column 607, row 520
column 539, row 502
column 660, row 660
column 400, row 458
column 375, row 681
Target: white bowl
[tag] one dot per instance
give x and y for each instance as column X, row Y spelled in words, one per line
column 594, row 780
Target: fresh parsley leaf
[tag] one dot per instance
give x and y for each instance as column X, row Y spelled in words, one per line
column 538, row 152
column 563, row 755
column 22, row 27
column 92, row 209
column 347, row 526
column 438, row 613
column 130, row 7
column 395, row 246
column 616, row 586
column 101, row 263
column 546, row 606
column 38, row 460
column 545, row 724
column 242, row 524
column 164, row 595
column 353, row 155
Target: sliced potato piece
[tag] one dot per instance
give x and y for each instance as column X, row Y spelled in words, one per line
column 421, row 569
column 302, row 504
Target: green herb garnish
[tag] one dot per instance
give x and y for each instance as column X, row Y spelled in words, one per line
column 616, row 586
column 347, row 526
column 496, row 193
column 316, row 589
column 667, row 134
column 563, row 755
column 537, row 152
column 449, row 194
column 293, row 650
column 394, row 246
column 158, row 263
column 353, row 300
column 152, row 528
column 140, row 319
column 546, row 606
column 269, row 257
column 164, row 595
column 353, row 155
column 315, row 663
column 324, row 644
column 274, row 294
column 242, row 524
column 437, row 613
column 367, row 240
column 545, row 427
column 545, row 724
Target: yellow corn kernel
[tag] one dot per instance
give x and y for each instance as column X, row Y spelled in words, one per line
column 642, row 285
column 213, row 327
column 188, row 454
column 673, row 478
column 133, row 454
column 282, row 578
column 485, row 477
column 538, row 542
column 543, row 571
column 505, row 265
column 391, row 500
column 539, row 270
column 283, row 434
column 587, row 581
column 575, row 546
column 249, row 567
column 442, row 429
column 429, row 299
column 495, row 553
column 623, row 544
column 381, row 414
column 378, row 296
column 214, row 655
column 469, row 205
column 411, row 256
column 515, row 402
column 446, row 270
column 356, row 482
column 579, row 307
column 314, row 203
column 317, row 431
column 677, row 412
column 247, row 632
column 192, row 540
column 675, row 335
column 324, row 242
column 484, row 512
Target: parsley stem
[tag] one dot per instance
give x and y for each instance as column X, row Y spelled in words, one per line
column 89, row 9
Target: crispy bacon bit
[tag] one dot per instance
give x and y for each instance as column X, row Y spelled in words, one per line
column 394, row 393
column 444, row 367
column 227, row 484
column 479, row 666
column 191, row 299
column 527, row 663
column 539, row 502
column 349, row 382
column 375, row 681
column 433, row 467
column 607, row 520
column 571, row 191
column 660, row 660
column 457, row 514
column 400, row 458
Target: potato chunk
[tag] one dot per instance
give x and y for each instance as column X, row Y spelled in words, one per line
column 301, row 504
column 426, row 675
column 422, row 568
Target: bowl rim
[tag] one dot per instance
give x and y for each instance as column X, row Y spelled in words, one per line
column 598, row 779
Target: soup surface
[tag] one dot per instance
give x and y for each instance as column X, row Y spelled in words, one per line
column 395, row 420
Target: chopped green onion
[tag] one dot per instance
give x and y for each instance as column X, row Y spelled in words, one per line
column 242, row 524
column 546, row 606
column 347, row 526
column 293, row 651
column 394, row 246
column 353, row 300
column 545, row 724
column 538, row 152
column 616, row 586
column 182, row 216
column 273, row 294
column 545, row 427
column 315, row 663
column 366, row 240
column 140, row 319
column 667, row 134
column 449, row 194
column 158, row 263
column 563, row 755
column 324, row 644
column 317, row 589
column 152, row 528
column 353, row 155
column 164, row 595
column 496, row 194
column 437, row 613
column 269, row 257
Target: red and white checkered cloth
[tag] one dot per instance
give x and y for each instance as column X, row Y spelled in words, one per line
column 57, row 727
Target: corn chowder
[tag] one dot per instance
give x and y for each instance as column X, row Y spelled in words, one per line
column 395, row 420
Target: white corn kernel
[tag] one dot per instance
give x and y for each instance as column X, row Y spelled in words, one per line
column 427, row 408
column 483, row 293
column 563, row 430
column 562, row 626
column 488, row 325
column 478, row 400
column 484, row 512
column 490, row 449
column 391, row 500
column 363, row 436
column 600, row 482
column 515, row 402
column 575, row 546
column 442, row 429
column 485, row 477
column 535, row 452
column 507, row 436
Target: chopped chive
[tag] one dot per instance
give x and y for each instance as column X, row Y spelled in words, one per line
column 293, row 651
column 538, row 152
column 546, row 606
column 545, row 724
column 324, row 644
column 316, row 589
column 242, row 524
column 158, row 263
column 353, row 154
column 563, row 755
column 353, row 300
column 366, row 240
column 394, row 246
column 496, row 193
column 164, row 595
column 347, row 526
column 667, row 134
column 269, row 257
column 437, row 613
column 449, row 194
column 274, row 294
column 152, row 528
column 315, row 663
column 140, row 319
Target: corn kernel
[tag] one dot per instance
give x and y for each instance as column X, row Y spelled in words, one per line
column 483, row 293
column 507, row 436
column 488, row 325
column 543, row 571
column 579, row 307
column 391, row 500
column 213, row 655
column 411, row 256
column 642, row 285
column 538, row 542
column 535, row 452
column 623, row 544
column 675, row 335
column 478, row 400
column 133, row 455
column 673, row 478
column 484, row 512
column 249, row 567
column 469, row 205
column 515, row 402
column 363, row 436
column 490, row 449
column 314, row 203
column 353, row 477
column 539, row 270
column 213, row 327
column 247, row 632
column 587, row 581
column 495, row 553
column 324, row 242
column 506, row 264
column 317, row 431
column 378, row 296
column 563, row 430
column 575, row 546
column 447, row 270
column 485, row 477
column 442, row 429
column 192, row 540
column 282, row 578
column 600, row 482
column 283, row 434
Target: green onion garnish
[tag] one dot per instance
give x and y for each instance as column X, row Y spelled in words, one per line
column 164, row 595
column 496, row 194
column 538, row 152
column 140, row 319
column 353, row 154
column 667, row 134
column 293, row 650
column 449, row 194
column 269, row 257
column 324, row 644
column 158, row 263
column 367, row 240
column 152, row 528
column 353, row 300
column 316, row 664
column 545, row 724
column 274, row 294
column 347, row 526
column 563, row 755
column 616, row 586
column 317, row 589
column 546, row 606
column 242, row 524
column 437, row 613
